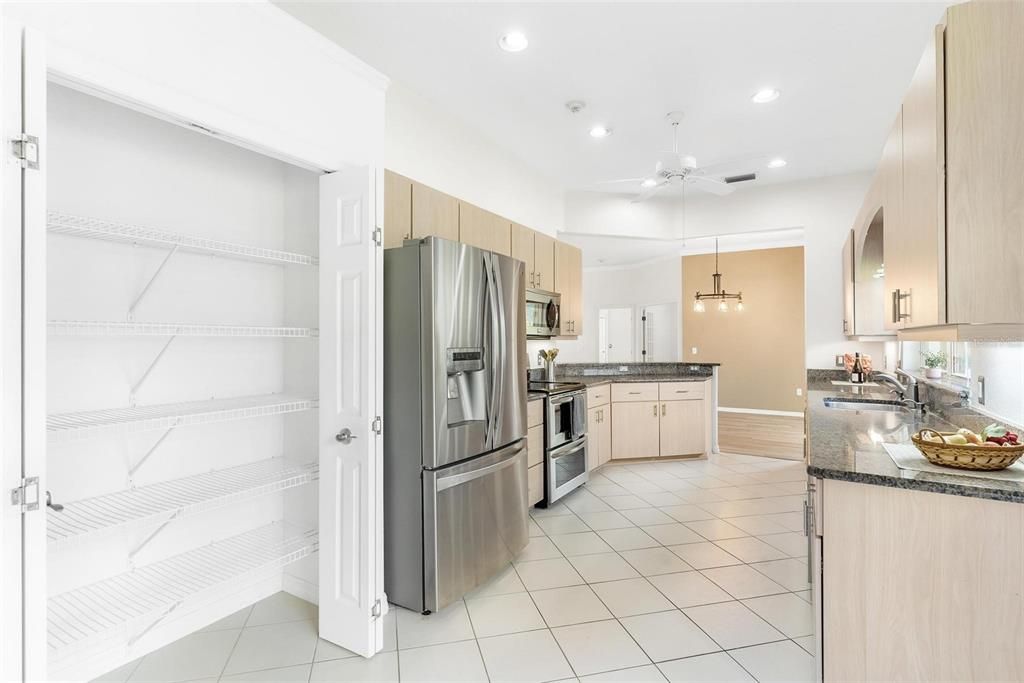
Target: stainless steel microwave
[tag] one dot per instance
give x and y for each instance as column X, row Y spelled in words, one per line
column 543, row 314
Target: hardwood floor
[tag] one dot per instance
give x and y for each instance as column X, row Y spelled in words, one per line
column 777, row 436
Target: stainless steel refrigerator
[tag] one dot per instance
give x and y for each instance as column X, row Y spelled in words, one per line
column 455, row 493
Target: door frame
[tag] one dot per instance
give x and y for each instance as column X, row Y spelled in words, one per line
column 24, row 79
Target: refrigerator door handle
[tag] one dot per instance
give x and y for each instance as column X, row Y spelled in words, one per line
column 444, row 483
column 492, row 350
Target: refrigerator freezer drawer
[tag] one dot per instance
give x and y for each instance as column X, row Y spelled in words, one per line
column 477, row 524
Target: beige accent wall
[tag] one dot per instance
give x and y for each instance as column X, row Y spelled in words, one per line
column 761, row 349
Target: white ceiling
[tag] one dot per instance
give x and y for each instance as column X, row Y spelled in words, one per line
column 842, row 68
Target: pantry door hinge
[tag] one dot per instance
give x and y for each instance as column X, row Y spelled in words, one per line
column 378, row 236
column 377, row 611
column 377, row 425
column 26, row 148
column 26, row 496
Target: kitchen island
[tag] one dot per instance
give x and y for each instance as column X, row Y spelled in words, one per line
column 917, row 575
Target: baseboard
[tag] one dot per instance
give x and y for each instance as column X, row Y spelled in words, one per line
column 302, row 588
column 757, row 411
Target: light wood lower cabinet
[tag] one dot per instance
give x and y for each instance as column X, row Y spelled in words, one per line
column 535, row 484
column 682, row 427
column 920, row 586
column 635, row 430
column 599, row 436
column 675, row 424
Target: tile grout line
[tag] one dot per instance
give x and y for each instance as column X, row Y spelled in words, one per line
column 234, row 645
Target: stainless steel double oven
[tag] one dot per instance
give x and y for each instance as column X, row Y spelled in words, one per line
column 565, row 438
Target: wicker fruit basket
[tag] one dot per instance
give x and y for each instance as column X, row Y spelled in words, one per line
column 969, row 457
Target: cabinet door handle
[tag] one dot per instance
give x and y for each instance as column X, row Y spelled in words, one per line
column 655, row 410
column 663, row 410
column 634, row 393
column 682, row 391
column 895, row 306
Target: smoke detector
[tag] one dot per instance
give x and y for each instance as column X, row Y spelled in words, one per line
column 575, row 106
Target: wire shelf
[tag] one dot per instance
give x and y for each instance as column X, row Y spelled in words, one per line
column 129, row 604
column 64, row 427
column 79, row 226
column 125, row 329
column 169, row 500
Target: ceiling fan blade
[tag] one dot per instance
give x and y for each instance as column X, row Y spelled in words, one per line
column 712, row 185
column 649, row 192
column 741, row 178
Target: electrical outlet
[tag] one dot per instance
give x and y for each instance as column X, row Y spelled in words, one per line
column 693, row 350
column 799, row 391
column 840, row 360
column 623, row 368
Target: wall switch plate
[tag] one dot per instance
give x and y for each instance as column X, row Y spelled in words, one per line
column 799, row 391
column 693, row 350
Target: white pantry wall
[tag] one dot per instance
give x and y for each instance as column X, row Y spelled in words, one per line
column 425, row 142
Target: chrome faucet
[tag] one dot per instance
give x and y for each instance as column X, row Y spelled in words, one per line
column 899, row 388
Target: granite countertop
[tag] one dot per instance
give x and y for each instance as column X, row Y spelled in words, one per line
column 847, row 445
column 596, row 380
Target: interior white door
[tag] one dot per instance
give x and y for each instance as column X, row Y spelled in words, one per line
column 22, row 357
column 352, row 601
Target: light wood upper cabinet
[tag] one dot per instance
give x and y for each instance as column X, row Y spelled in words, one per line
column 890, row 170
column 544, row 262
column 918, row 268
column 523, row 244
column 682, row 427
column 397, row 209
column 849, row 286
column 434, row 213
column 484, row 229
column 984, row 162
column 569, row 283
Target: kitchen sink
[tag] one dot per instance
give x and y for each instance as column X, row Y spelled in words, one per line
column 876, row 405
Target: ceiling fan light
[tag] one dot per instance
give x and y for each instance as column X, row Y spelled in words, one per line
column 688, row 161
column 777, row 162
column 765, row 95
column 649, row 182
column 600, row 131
column 739, row 306
column 513, row 41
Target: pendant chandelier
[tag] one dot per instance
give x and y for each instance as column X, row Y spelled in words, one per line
column 719, row 295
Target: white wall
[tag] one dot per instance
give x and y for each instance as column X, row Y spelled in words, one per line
column 654, row 282
column 428, row 144
column 824, row 208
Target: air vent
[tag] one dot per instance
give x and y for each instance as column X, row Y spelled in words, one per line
column 740, row 178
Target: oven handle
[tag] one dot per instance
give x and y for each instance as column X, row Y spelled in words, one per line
column 567, row 449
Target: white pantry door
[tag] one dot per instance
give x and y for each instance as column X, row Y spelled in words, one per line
column 352, row 602
column 22, row 356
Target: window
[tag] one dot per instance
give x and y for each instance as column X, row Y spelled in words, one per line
column 958, row 360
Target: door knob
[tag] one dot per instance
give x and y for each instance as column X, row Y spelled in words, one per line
column 344, row 436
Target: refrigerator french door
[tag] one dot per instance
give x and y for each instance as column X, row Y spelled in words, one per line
column 454, row 419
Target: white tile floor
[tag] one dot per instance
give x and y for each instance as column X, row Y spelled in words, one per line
column 673, row 571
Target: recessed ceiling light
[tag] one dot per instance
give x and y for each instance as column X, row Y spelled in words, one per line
column 513, row 41
column 765, row 95
column 600, row 132
column 649, row 182
column 778, row 162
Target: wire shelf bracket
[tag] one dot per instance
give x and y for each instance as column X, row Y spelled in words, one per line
column 138, row 384
column 152, row 279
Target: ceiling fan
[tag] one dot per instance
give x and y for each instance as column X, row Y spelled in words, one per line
column 675, row 170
